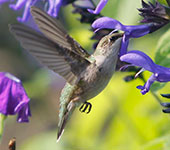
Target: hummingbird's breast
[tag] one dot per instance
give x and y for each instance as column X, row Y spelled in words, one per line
column 95, row 78
column 97, row 75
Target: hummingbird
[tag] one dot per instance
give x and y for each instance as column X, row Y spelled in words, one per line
column 86, row 74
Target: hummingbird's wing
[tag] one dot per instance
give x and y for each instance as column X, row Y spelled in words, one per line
column 53, row 30
column 61, row 60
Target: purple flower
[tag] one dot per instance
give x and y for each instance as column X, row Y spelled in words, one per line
column 99, row 7
column 19, row 5
column 156, row 13
column 133, row 31
column 138, row 58
column 81, row 7
column 3, row 1
column 53, row 9
column 26, row 4
column 54, row 6
column 13, row 98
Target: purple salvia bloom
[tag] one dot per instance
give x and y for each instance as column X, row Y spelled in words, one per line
column 54, row 7
column 81, row 7
column 99, row 7
column 138, row 58
column 133, row 31
column 13, row 98
column 157, row 14
column 20, row 4
column 3, row 1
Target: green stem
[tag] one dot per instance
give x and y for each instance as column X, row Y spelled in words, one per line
column 168, row 1
column 93, row 3
column 2, row 119
column 156, row 97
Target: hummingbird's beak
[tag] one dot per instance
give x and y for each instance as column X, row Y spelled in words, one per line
column 115, row 36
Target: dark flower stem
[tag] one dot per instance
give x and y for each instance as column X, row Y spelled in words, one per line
column 12, row 144
column 168, row 1
column 2, row 119
column 93, row 3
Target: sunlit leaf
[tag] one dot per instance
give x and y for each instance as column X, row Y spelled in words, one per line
column 157, row 86
column 167, row 143
column 162, row 56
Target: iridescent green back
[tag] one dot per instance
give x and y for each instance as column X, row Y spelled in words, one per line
column 65, row 99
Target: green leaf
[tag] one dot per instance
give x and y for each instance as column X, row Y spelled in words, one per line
column 164, row 2
column 167, row 143
column 157, row 86
column 128, row 6
column 162, row 56
column 156, row 144
column 44, row 141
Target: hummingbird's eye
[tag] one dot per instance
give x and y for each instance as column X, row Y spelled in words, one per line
column 113, row 38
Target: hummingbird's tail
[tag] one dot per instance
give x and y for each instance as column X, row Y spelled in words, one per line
column 64, row 118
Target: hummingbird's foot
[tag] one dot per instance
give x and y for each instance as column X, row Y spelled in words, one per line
column 84, row 107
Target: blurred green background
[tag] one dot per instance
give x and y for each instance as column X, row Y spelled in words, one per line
column 121, row 118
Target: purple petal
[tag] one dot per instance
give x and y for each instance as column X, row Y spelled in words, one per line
column 13, row 98
column 26, row 12
column 129, row 31
column 137, row 30
column 54, row 7
column 144, row 89
column 3, row 1
column 23, row 114
column 140, row 87
column 107, row 23
column 57, row 6
column 50, row 9
column 99, row 7
column 124, row 45
column 162, row 74
column 18, row 5
column 140, row 59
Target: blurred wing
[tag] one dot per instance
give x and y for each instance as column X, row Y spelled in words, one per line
column 54, row 31
column 61, row 60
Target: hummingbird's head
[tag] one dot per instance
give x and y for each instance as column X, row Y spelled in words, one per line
column 107, row 43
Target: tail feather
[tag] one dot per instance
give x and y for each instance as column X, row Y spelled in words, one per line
column 64, row 119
